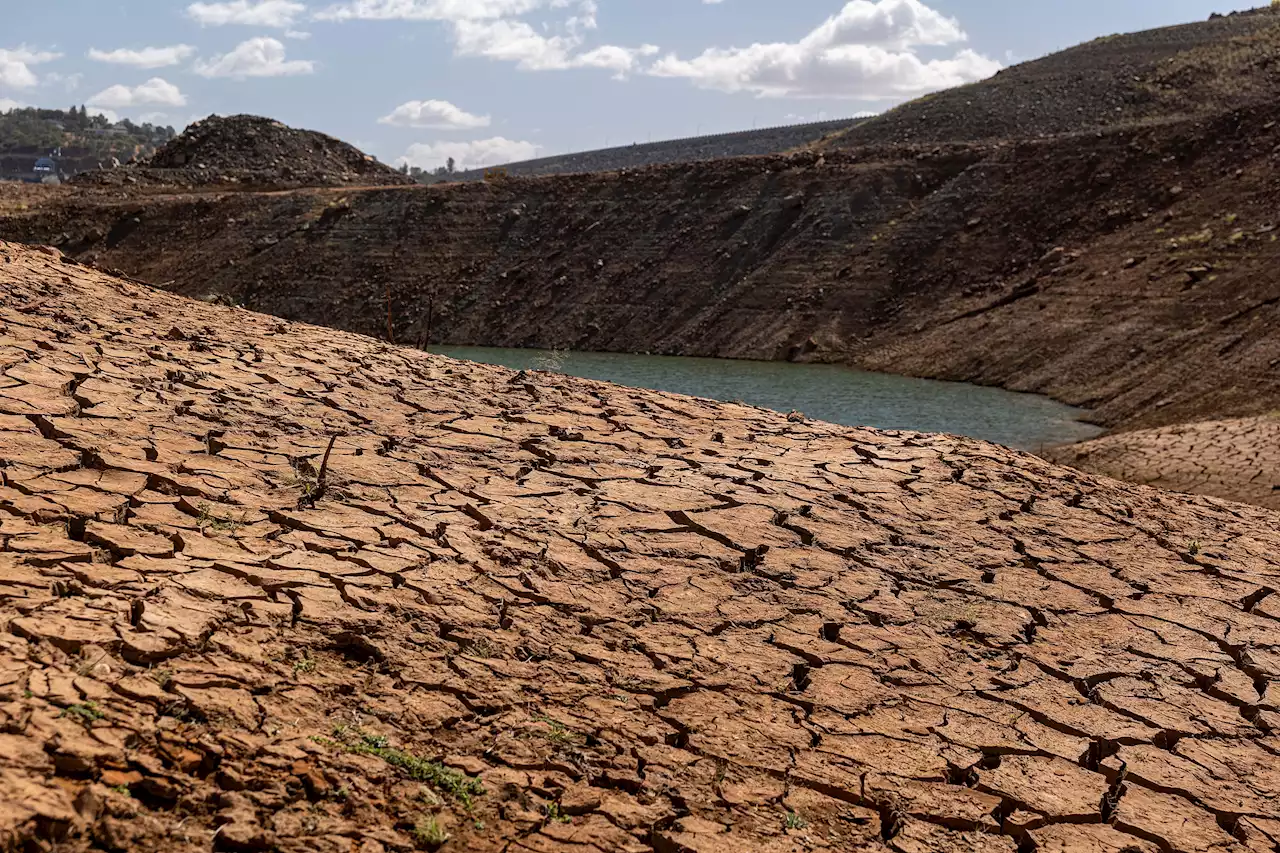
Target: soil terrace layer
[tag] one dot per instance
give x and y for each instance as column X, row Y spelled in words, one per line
column 1131, row 273
column 534, row 613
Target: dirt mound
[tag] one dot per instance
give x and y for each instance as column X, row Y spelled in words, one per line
column 254, row 152
column 1238, row 459
column 270, row 586
column 1114, row 81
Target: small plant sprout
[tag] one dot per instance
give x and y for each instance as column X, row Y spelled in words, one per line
column 554, row 815
column 88, row 712
column 794, row 821
column 429, row 834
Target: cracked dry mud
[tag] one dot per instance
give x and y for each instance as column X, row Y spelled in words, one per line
column 535, row 613
column 1234, row 459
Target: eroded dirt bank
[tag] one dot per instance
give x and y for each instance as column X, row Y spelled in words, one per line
column 1129, row 271
column 541, row 614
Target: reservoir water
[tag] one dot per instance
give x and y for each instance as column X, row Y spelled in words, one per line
column 826, row 392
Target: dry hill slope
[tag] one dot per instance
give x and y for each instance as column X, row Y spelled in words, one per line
column 1170, row 73
column 534, row 613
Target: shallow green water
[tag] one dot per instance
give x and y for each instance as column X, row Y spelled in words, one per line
column 826, row 392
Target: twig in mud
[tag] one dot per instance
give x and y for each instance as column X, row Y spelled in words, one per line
column 324, row 463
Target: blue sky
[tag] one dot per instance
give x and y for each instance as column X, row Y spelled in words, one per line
column 490, row 80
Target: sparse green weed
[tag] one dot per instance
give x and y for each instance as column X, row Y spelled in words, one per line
column 456, row 784
column 554, row 815
column 556, row 732
column 88, row 712
column 429, row 834
column 207, row 519
column 794, row 821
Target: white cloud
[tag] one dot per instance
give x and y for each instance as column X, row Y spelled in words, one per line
column 438, row 115
column 70, row 82
column 155, row 92
column 110, row 115
column 888, row 23
column 468, row 155
column 257, row 57
column 492, row 29
column 429, row 10
column 516, row 41
column 297, row 35
column 7, row 104
column 864, row 51
column 15, row 66
column 620, row 60
column 265, row 13
column 147, row 57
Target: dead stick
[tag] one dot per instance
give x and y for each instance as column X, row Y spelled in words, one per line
column 324, row 465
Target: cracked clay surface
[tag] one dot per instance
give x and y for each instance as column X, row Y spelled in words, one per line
column 521, row 612
column 1234, row 459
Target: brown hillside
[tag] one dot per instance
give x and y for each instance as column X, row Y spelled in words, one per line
column 1172, row 73
column 537, row 613
column 1131, row 272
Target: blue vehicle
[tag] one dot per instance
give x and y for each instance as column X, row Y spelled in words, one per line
column 45, row 166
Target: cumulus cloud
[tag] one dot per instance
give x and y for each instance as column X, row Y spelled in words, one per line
column 492, row 29
column 864, row 51
column 257, row 57
column 7, row 104
column 155, row 92
column 437, row 115
column 147, row 57
column 15, row 66
column 516, row 41
column 468, row 155
column 428, row 10
column 280, row 14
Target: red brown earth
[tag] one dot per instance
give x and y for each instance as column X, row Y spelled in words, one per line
column 273, row 586
column 1236, row 459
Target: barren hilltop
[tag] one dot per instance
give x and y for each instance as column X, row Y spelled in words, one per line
column 267, row 585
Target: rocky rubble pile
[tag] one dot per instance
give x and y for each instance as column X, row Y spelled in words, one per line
column 252, row 151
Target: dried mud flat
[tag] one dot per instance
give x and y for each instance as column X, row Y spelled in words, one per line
column 534, row 613
column 1234, row 459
